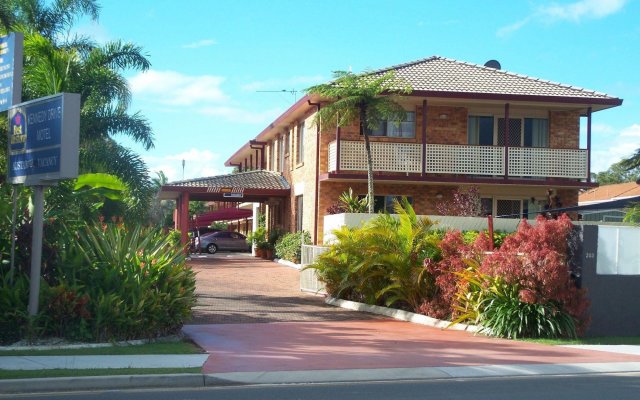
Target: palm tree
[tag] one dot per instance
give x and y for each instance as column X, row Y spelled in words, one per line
column 368, row 98
column 55, row 64
column 51, row 19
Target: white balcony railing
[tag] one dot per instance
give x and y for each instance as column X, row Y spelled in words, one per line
column 461, row 159
column 386, row 157
column 467, row 160
column 553, row 163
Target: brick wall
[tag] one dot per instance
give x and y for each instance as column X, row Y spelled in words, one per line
column 564, row 129
column 446, row 125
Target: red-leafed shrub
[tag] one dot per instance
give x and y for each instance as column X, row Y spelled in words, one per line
column 535, row 260
column 443, row 273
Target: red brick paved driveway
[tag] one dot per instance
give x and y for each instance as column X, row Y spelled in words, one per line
column 235, row 288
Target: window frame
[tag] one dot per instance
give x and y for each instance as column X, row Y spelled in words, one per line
column 300, row 142
column 384, row 127
column 524, row 122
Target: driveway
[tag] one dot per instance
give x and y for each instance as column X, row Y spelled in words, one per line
column 235, row 288
column 251, row 317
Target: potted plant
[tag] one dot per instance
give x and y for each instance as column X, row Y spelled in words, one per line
column 257, row 238
column 266, row 250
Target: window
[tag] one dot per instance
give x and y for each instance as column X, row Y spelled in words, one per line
column 385, row 203
column 480, row 131
column 527, row 132
column 299, row 204
column 281, row 148
column 487, row 205
column 272, row 156
column 403, row 129
column 300, row 144
column 286, row 142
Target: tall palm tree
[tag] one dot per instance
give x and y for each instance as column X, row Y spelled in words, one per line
column 369, row 98
column 55, row 62
column 51, row 19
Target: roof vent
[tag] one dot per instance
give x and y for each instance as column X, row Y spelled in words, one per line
column 493, row 64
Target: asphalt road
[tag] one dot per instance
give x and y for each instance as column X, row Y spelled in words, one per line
column 581, row 387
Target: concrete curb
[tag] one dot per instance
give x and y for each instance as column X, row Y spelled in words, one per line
column 302, row 377
column 424, row 373
column 401, row 315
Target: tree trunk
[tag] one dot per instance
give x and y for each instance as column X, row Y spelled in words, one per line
column 367, row 148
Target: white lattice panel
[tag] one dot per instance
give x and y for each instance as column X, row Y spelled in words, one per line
column 469, row 160
column 332, row 156
column 558, row 163
column 387, row 157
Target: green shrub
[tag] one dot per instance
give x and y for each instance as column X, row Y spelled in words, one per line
column 504, row 313
column 382, row 262
column 135, row 281
column 14, row 299
column 289, row 247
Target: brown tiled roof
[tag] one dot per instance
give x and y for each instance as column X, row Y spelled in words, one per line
column 242, row 180
column 610, row 192
column 439, row 74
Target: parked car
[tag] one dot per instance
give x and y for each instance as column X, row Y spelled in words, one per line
column 201, row 231
column 223, row 240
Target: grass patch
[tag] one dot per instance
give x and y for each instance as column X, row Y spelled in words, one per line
column 61, row 373
column 605, row 340
column 183, row 347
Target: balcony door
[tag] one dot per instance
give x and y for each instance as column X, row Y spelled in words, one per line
column 524, row 132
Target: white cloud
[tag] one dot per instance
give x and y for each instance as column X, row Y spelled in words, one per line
column 509, row 29
column 602, row 159
column 631, row 131
column 197, row 164
column 174, row 88
column 583, row 9
column 200, row 43
column 574, row 12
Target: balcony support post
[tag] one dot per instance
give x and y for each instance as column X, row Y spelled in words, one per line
column 424, row 137
column 589, row 145
column 338, row 149
column 506, row 141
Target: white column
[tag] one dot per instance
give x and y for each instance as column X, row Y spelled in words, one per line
column 256, row 214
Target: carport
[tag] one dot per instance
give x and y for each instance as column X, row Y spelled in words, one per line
column 244, row 187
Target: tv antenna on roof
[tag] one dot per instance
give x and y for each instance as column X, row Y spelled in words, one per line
column 292, row 91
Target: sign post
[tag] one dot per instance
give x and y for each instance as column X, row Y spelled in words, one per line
column 44, row 136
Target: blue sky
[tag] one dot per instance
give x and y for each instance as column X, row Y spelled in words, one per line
column 211, row 60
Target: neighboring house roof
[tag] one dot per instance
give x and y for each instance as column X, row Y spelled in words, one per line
column 439, row 74
column 618, row 191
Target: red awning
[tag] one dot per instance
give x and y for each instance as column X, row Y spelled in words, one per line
column 225, row 214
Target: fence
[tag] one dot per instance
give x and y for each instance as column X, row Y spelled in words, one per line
column 308, row 278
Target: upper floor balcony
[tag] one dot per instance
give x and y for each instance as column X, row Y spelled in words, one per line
column 489, row 161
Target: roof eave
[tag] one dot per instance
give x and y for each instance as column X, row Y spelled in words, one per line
column 608, row 101
column 278, row 123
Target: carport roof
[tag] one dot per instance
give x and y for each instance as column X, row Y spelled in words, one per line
column 242, row 186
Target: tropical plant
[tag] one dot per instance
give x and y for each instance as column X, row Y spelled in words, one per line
column 338, row 268
column 55, row 64
column 134, row 281
column 368, row 98
column 401, row 244
column 506, row 310
column 381, row 262
column 633, row 214
column 353, row 204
